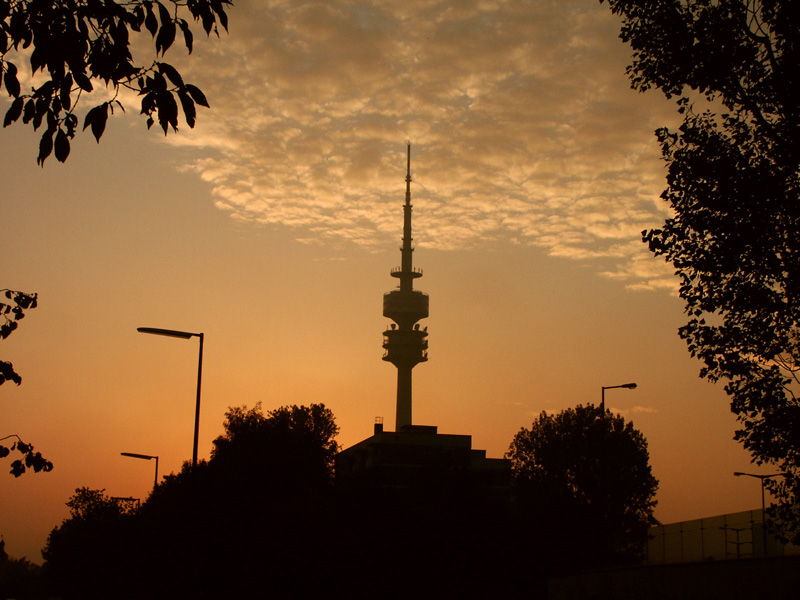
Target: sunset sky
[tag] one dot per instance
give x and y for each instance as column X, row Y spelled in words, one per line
column 273, row 225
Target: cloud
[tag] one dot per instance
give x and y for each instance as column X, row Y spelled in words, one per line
column 524, row 127
column 636, row 410
column 643, row 271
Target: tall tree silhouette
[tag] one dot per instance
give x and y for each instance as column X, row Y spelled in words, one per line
column 734, row 190
column 253, row 519
column 586, row 475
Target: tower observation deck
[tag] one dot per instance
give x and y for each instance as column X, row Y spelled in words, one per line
column 405, row 344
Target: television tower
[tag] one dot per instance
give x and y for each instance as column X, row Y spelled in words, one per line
column 405, row 344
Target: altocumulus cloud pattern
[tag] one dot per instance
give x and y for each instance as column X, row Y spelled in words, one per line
column 524, row 125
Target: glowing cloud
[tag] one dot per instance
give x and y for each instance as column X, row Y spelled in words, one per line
column 524, row 124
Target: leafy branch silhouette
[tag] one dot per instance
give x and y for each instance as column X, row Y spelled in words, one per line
column 76, row 42
column 12, row 312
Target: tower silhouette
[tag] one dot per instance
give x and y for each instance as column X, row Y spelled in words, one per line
column 405, row 344
column 415, row 463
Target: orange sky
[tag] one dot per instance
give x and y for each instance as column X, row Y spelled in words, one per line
column 273, row 225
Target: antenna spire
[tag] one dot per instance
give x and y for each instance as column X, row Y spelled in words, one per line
column 408, row 175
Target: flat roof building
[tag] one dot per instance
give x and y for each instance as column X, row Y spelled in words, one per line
column 419, row 458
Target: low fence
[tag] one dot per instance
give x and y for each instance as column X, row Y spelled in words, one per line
column 724, row 537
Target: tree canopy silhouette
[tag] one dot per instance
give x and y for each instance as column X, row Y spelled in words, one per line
column 733, row 185
column 21, row 579
column 253, row 520
column 588, row 475
column 78, row 44
column 12, row 312
column 289, row 446
column 87, row 555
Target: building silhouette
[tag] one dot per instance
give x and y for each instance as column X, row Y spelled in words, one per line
column 416, row 458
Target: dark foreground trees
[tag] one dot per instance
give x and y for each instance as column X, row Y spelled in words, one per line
column 255, row 518
column 253, row 521
column 586, row 475
column 21, row 579
column 263, row 518
column 734, row 188
column 77, row 45
column 88, row 554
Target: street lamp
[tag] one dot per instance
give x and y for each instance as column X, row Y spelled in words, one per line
column 763, row 506
column 603, row 464
column 627, row 386
column 145, row 457
column 185, row 335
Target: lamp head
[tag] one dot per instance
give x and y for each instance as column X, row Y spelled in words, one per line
column 167, row 332
column 134, row 455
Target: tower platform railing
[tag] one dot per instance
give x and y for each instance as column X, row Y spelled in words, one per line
column 396, row 271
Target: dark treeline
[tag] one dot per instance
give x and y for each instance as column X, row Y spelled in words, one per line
column 262, row 518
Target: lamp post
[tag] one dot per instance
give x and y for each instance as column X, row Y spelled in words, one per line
column 603, row 461
column 185, row 335
column 145, row 457
column 763, row 505
column 627, row 386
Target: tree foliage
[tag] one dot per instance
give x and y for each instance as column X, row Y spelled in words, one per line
column 253, row 521
column 86, row 555
column 95, row 506
column 74, row 45
column 12, row 312
column 21, row 579
column 733, row 185
column 589, row 473
column 301, row 436
column 29, row 459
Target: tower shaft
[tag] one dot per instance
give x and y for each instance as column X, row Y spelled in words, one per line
column 403, row 412
column 405, row 344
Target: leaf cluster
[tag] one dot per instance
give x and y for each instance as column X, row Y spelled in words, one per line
column 29, row 459
column 733, row 185
column 12, row 312
column 76, row 44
